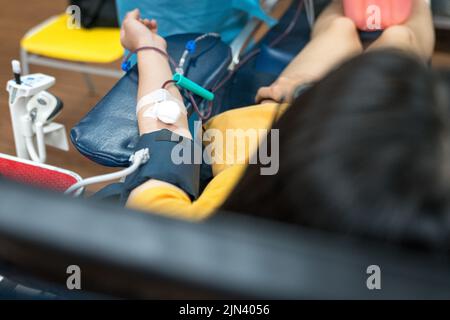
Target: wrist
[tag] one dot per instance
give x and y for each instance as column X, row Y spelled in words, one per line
column 151, row 55
column 143, row 42
column 295, row 80
column 148, row 42
column 287, row 80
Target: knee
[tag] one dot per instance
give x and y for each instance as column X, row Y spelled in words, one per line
column 345, row 29
column 399, row 34
column 344, row 25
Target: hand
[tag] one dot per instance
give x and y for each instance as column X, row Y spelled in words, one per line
column 137, row 33
column 281, row 90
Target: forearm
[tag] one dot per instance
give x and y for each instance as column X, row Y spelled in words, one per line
column 154, row 71
column 333, row 40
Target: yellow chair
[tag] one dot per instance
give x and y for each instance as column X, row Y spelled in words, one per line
column 54, row 44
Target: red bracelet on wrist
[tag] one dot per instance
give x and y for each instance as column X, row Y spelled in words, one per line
column 126, row 65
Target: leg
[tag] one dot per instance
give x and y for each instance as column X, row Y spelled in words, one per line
column 416, row 35
column 333, row 11
column 333, row 40
column 90, row 83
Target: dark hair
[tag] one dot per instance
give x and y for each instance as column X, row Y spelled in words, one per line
column 366, row 151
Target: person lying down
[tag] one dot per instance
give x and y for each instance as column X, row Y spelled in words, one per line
column 363, row 137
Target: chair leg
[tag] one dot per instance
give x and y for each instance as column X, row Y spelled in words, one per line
column 24, row 61
column 90, row 83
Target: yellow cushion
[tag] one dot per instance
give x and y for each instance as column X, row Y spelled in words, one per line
column 53, row 39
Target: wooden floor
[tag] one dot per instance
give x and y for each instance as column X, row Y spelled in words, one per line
column 16, row 17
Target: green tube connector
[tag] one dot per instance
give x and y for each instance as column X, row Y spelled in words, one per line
column 190, row 85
